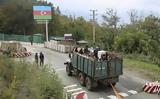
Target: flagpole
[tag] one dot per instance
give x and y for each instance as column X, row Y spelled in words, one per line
column 46, row 30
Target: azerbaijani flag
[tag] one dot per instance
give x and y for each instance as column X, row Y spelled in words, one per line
column 42, row 12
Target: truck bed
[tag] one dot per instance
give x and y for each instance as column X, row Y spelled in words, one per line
column 97, row 69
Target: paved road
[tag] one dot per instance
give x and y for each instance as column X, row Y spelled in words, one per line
column 127, row 80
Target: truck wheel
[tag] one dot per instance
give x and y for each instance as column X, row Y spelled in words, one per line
column 68, row 70
column 89, row 83
column 82, row 79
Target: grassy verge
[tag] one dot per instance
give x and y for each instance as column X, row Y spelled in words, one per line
column 149, row 70
column 22, row 80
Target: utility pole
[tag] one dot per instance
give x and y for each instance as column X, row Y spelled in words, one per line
column 46, row 30
column 94, row 24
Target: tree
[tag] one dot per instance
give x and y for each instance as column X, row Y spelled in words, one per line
column 110, row 29
column 140, row 37
column 17, row 16
column 133, row 15
column 110, row 18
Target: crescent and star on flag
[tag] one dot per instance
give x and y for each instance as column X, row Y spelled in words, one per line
column 43, row 12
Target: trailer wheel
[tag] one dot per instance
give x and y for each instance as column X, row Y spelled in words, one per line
column 89, row 83
column 82, row 79
column 68, row 70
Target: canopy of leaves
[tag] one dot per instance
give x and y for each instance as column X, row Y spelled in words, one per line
column 16, row 16
column 142, row 37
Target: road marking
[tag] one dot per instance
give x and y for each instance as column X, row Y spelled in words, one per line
column 133, row 92
column 60, row 69
column 72, row 90
column 112, row 97
column 70, row 86
column 123, row 94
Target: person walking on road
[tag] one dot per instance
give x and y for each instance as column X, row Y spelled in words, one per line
column 41, row 56
column 36, row 58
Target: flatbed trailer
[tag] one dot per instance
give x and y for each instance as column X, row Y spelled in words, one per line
column 92, row 72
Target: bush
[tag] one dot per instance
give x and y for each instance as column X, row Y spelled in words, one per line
column 22, row 80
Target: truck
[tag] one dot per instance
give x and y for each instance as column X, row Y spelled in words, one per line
column 93, row 72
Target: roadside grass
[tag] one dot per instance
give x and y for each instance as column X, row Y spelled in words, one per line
column 23, row 80
column 149, row 70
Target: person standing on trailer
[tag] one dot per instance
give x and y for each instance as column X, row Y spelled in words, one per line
column 86, row 51
column 96, row 52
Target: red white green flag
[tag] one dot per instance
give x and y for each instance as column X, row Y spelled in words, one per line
column 42, row 12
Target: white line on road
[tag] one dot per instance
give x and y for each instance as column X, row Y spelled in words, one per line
column 123, row 94
column 133, row 92
column 60, row 69
column 112, row 97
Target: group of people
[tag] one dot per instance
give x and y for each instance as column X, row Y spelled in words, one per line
column 92, row 52
column 96, row 53
column 39, row 59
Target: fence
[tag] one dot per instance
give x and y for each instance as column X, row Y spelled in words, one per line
column 24, row 38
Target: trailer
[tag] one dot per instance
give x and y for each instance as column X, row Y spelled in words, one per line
column 92, row 72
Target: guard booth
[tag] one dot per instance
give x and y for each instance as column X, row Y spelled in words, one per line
column 74, row 92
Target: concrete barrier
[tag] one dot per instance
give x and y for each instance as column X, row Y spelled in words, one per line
column 152, row 87
column 74, row 92
column 58, row 47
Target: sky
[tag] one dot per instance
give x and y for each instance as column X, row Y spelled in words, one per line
column 83, row 7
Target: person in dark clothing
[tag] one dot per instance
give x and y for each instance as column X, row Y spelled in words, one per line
column 86, row 51
column 36, row 58
column 96, row 52
column 76, row 49
column 31, row 39
column 81, row 51
column 41, row 56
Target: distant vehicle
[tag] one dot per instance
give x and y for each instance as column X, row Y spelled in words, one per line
column 92, row 72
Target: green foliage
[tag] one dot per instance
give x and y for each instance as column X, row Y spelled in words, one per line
column 79, row 27
column 17, row 16
column 130, row 42
column 141, row 37
column 107, row 38
column 21, row 80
